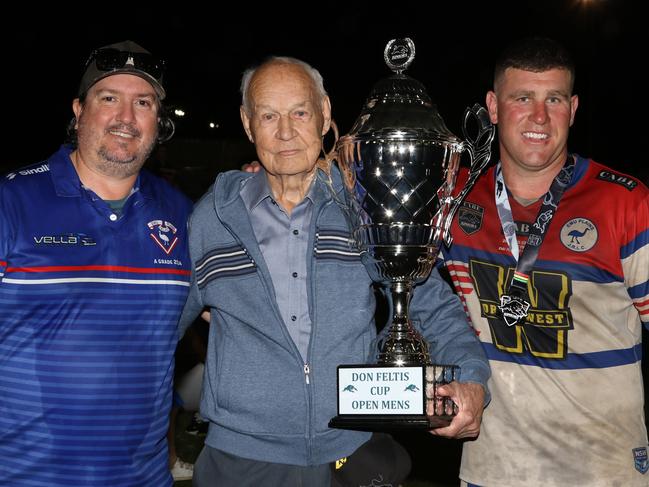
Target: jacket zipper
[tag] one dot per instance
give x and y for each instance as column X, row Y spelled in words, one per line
column 307, row 371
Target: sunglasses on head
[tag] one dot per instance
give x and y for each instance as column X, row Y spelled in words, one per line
column 110, row 59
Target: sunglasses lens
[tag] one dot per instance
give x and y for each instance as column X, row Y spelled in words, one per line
column 111, row 59
column 148, row 64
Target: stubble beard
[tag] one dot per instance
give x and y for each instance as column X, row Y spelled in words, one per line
column 112, row 164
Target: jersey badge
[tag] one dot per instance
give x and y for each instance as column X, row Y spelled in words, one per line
column 579, row 234
column 164, row 234
column 469, row 217
column 640, row 459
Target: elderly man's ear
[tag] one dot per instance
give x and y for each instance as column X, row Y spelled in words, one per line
column 246, row 123
column 326, row 113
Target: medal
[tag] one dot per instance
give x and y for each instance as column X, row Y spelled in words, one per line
column 513, row 309
column 513, row 303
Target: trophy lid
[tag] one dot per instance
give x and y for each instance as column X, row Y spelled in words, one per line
column 398, row 107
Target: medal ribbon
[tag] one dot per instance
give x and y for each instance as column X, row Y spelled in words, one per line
column 517, row 289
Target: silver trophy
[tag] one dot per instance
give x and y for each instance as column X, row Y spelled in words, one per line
column 399, row 165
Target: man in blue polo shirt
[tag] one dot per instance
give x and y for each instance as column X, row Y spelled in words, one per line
column 94, row 271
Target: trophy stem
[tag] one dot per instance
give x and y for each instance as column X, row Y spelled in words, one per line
column 403, row 345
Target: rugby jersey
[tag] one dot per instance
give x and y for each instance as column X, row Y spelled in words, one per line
column 566, row 385
column 89, row 303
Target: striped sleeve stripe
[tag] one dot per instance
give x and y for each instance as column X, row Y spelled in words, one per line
column 107, row 268
column 637, row 243
column 214, row 272
column 95, row 279
column 335, row 237
column 335, row 244
column 639, row 291
column 207, row 259
column 339, row 252
column 643, row 309
column 592, row 360
column 229, row 261
column 459, row 273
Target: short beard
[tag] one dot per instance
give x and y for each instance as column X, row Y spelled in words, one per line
column 120, row 168
column 110, row 165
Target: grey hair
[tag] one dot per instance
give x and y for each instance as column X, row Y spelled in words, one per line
column 313, row 73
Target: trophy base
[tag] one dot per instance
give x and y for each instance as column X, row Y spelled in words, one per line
column 389, row 422
column 391, row 397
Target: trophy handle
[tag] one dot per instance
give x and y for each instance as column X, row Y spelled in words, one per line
column 479, row 149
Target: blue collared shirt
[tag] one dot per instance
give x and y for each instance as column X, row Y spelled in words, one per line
column 283, row 241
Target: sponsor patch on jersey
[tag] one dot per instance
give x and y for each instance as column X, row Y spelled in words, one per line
column 469, row 217
column 164, row 234
column 80, row 239
column 640, row 459
column 579, row 234
column 621, row 179
column 28, row 172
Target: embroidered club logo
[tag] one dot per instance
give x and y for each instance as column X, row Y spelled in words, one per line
column 640, row 459
column 579, row 234
column 469, row 217
column 163, row 233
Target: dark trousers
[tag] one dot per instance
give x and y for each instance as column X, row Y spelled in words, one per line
column 215, row 468
column 382, row 461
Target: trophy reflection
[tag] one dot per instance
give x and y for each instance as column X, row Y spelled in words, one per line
column 399, row 165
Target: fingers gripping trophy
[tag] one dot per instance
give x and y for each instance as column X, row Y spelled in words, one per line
column 399, row 165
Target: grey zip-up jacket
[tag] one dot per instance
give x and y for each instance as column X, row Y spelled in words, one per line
column 263, row 402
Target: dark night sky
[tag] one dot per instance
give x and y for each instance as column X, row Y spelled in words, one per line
column 456, row 45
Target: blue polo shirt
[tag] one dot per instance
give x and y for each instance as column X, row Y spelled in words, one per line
column 89, row 303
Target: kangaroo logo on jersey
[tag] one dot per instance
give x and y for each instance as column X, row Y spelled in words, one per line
column 163, row 233
column 469, row 217
column 579, row 234
column 640, row 459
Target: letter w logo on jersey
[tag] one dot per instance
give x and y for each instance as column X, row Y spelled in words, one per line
column 544, row 333
column 163, row 233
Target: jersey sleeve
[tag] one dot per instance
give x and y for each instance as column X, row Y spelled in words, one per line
column 7, row 233
column 634, row 252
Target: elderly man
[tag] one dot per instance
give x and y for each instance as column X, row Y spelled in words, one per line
column 94, row 271
column 287, row 306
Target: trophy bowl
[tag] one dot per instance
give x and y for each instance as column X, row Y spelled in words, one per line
column 399, row 165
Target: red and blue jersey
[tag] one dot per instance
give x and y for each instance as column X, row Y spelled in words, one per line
column 568, row 379
column 89, row 304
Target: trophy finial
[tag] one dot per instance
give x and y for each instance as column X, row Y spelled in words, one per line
column 399, row 54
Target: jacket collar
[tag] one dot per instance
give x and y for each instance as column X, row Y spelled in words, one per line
column 228, row 185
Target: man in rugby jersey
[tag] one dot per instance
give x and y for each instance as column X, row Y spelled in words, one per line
column 94, row 271
column 551, row 257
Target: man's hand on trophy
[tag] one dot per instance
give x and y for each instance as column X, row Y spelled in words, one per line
column 253, row 166
column 469, row 398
